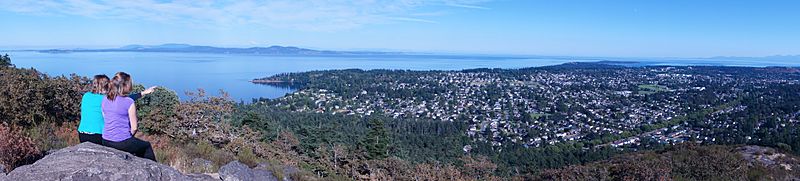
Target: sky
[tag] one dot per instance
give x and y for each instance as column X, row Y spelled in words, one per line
column 622, row 28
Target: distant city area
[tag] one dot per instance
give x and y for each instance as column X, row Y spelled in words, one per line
column 595, row 104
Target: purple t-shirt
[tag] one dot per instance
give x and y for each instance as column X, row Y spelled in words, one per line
column 117, row 126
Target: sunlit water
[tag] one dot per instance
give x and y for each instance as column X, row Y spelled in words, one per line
column 212, row 72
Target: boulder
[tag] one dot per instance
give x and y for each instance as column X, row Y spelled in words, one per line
column 260, row 174
column 288, row 171
column 88, row 161
column 203, row 177
column 199, row 165
column 237, row 171
column 2, row 172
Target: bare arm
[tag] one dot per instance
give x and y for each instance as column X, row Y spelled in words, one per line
column 149, row 90
column 134, row 119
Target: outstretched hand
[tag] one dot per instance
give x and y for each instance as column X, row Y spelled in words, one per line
column 149, row 90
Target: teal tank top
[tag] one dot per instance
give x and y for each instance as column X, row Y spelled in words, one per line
column 91, row 113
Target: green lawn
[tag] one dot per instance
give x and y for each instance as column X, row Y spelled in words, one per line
column 536, row 116
column 652, row 88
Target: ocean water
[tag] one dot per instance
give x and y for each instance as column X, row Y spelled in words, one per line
column 231, row 72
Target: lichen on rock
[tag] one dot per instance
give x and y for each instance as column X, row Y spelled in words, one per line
column 88, row 161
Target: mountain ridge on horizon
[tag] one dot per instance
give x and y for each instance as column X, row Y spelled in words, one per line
column 294, row 50
column 188, row 48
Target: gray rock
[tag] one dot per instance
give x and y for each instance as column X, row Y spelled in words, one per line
column 288, row 171
column 2, row 169
column 260, row 174
column 203, row 177
column 199, row 165
column 51, row 151
column 236, row 171
column 264, row 166
column 88, row 161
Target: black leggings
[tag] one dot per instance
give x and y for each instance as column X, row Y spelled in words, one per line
column 134, row 146
column 93, row 138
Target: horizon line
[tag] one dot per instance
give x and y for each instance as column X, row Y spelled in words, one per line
column 379, row 50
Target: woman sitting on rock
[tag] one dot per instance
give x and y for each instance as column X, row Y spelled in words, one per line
column 91, row 125
column 119, row 113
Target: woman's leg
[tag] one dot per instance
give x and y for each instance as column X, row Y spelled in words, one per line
column 124, row 145
column 143, row 149
column 134, row 146
column 83, row 137
column 93, row 138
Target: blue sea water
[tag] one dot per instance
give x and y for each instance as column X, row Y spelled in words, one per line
column 232, row 72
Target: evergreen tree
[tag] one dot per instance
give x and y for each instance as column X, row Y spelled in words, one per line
column 377, row 140
column 5, row 61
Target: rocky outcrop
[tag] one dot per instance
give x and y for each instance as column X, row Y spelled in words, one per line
column 780, row 166
column 199, row 165
column 92, row 162
column 236, row 171
column 88, row 161
column 2, row 172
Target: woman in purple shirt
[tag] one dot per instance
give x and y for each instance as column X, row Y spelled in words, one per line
column 119, row 113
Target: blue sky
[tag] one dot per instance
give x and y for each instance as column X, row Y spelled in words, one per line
column 674, row 28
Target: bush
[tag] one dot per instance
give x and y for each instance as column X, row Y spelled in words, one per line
column 200, row 118
column 204, row 118
column 247, row 157
column 156, row 111
column 222, row 157
column 15, row 148
column 5, row 61
column 28, row 97
column 68, row 133
column 784, row 147
column 169, row 156
column 202, row 149
column 51, row 136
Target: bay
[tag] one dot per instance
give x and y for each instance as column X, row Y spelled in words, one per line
column 231, row 72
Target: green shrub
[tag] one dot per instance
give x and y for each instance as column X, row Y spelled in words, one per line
column 156, row 110
column 45, row 136
column 5, row 61
column 247, row 157
column 29, row 97
column 221, row 157
column 784, row 147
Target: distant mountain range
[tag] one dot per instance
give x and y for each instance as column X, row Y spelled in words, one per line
column 186, row 48
column 290, row 50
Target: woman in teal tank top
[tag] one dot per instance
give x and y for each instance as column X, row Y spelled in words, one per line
column 91, row 125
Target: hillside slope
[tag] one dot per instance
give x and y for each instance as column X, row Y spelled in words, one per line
column 687, row 162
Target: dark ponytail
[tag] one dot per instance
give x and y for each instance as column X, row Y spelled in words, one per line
column 100, row 84
column 120, row 85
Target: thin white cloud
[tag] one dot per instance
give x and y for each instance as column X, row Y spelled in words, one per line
column 467, row 6
column 412, row 19
column 471, row 4
column 306, row 15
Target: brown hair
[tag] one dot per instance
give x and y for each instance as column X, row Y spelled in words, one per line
column 100, row 84
column 120, row 85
